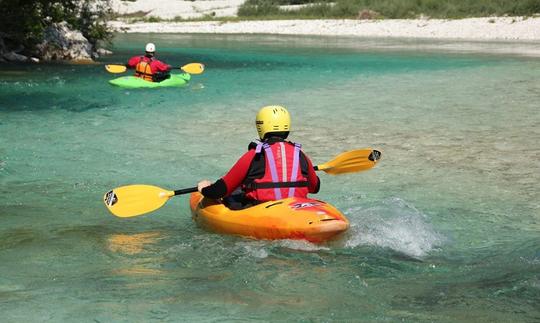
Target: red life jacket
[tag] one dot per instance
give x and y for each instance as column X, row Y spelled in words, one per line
column 143, row 69
column 283, row 175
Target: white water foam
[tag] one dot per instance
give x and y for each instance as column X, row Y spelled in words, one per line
column 255, row 250
column 300, row 245
column 394, row 224
column 259, row 249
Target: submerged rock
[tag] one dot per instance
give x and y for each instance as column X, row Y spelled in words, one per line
column 62, row 43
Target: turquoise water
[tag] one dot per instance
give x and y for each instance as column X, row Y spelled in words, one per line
column 444, row 229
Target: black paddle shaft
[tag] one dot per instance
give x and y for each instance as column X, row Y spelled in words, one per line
column 185, row 191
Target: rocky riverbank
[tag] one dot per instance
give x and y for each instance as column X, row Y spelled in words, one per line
column 60, row 43
column 486, row 29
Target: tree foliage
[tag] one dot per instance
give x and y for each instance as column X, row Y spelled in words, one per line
column 24, row 21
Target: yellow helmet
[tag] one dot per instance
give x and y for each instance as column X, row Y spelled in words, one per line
column 273, row 118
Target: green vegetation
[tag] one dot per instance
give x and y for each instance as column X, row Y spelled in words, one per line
column 364, row 9
column 23, row 22
column 390, row 8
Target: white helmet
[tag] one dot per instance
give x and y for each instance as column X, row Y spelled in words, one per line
column 150, row 47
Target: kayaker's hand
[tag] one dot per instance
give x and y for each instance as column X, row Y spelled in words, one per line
column 202, row 184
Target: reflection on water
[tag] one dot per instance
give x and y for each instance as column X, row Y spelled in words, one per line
column 132, row 243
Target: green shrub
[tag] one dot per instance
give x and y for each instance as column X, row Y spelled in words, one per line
column 257, row 8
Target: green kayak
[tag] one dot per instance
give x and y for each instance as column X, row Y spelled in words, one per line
column 132, row 82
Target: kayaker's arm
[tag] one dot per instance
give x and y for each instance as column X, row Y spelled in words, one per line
column 317, row 187
column 132, row 62
column 314, row 181
column 216, row 190
column 232, row 180
column 160, row 66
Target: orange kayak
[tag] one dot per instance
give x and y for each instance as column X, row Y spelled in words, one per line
column 290, row 218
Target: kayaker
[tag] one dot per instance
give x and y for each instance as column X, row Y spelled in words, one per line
column 272, row 169
column 148, row 67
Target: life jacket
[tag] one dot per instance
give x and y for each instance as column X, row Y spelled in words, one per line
column 283, row 176
column 144, row 70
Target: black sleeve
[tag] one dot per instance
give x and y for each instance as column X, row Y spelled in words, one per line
column 252, row 145
column 318, row 187
column 304, row 167
column 216, row 190
column 303, row 164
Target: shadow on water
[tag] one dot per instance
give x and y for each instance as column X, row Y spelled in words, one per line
column 45, row 101
column 52, row 86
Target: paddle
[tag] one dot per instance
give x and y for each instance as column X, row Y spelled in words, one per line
column 351, row 162
column 191, row 68
column 133, row 200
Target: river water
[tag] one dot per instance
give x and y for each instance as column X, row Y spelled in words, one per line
column 444, row 229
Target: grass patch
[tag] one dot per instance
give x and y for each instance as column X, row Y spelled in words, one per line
column 394, row 9
column 355, row 9
column 136, row 14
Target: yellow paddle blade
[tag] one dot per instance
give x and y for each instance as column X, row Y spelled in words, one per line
column 133, row 200
column 115, row 68
column 351, row 162
column 193, row 68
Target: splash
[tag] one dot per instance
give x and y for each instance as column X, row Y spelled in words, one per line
column 255, row 251
column 394, row 224
column 21, row 84
column 300, row 245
